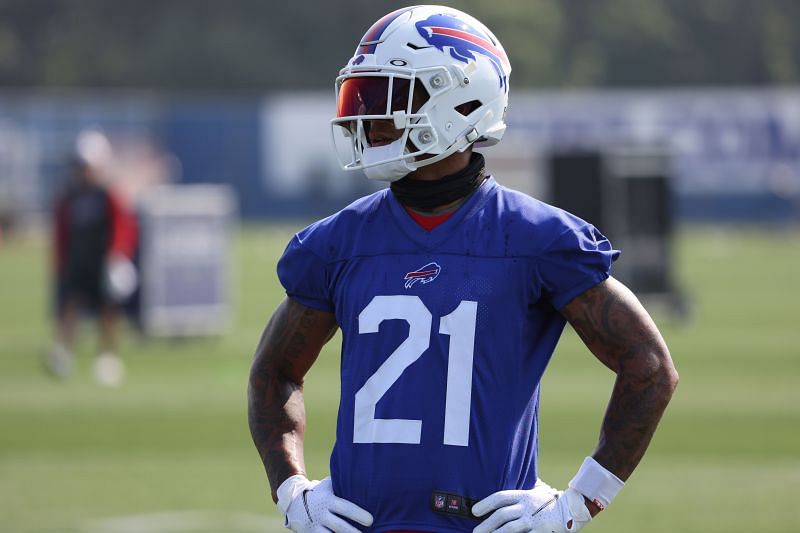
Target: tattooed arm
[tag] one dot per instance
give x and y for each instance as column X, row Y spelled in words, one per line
column 289, row 346
column 621, row 334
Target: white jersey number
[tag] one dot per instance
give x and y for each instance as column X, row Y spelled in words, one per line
column 460, row 326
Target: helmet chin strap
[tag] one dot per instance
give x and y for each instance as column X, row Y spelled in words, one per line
column 391, row 170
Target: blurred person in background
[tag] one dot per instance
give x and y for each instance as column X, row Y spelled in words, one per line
column 95, row 238
column 451, row 292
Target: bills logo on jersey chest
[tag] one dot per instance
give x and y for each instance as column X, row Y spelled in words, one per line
column 423, row 275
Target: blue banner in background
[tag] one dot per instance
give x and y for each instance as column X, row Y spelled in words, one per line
column 735, row 154
column 218, row 141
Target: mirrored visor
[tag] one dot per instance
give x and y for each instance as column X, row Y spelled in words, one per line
column 368, row 96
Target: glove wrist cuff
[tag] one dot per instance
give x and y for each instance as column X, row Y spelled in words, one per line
column 596, row 483
column 289, row 490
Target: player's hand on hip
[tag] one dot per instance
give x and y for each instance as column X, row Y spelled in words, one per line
column 542, row 509
column 312, row 507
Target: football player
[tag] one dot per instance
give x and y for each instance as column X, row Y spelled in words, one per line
column 451, row 292
column 95, row 238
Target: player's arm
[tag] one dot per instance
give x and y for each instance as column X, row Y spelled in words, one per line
column 290, row 344
column 620, row 333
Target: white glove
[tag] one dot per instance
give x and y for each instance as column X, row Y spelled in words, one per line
column 121, row 277
column 542, row 509
column 312, row 507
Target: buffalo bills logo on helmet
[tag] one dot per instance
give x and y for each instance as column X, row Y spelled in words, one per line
column 423, row 275
column 463, row 40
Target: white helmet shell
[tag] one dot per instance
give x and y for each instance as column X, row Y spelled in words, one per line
column 443, row 57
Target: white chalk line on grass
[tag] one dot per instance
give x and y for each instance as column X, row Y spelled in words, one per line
column 185, row 522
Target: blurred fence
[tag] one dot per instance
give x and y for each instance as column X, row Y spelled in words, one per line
column 735, row 154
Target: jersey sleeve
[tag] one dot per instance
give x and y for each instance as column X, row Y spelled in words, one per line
column 577, row 260
column 304, row 276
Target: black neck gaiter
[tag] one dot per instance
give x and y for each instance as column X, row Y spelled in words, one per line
column 430, row 194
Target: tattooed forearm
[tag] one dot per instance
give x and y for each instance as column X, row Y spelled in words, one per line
column 620, row 333
column 276, row 411
column 276, row 416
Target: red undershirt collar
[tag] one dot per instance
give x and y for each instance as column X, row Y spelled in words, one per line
column 428, row 222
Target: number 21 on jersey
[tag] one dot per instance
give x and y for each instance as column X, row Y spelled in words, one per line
column 460, row 327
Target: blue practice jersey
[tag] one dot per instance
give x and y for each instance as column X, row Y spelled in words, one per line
column 446, row 335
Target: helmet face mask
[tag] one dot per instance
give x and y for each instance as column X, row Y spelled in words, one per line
column 417, row 67
column 379, row 95
column 395, row 96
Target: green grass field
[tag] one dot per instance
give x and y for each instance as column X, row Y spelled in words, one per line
column 170, row 450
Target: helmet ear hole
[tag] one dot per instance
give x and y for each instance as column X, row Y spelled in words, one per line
column 468, row 107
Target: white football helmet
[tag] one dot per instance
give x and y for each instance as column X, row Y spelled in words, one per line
column 417, row 67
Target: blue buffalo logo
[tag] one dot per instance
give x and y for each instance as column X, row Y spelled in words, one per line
column 462, row 40
column 423, row 275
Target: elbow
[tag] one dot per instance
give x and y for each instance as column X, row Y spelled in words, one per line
column 674, row 377
column 272, row 381
column 666, row 375
column 654, row 372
